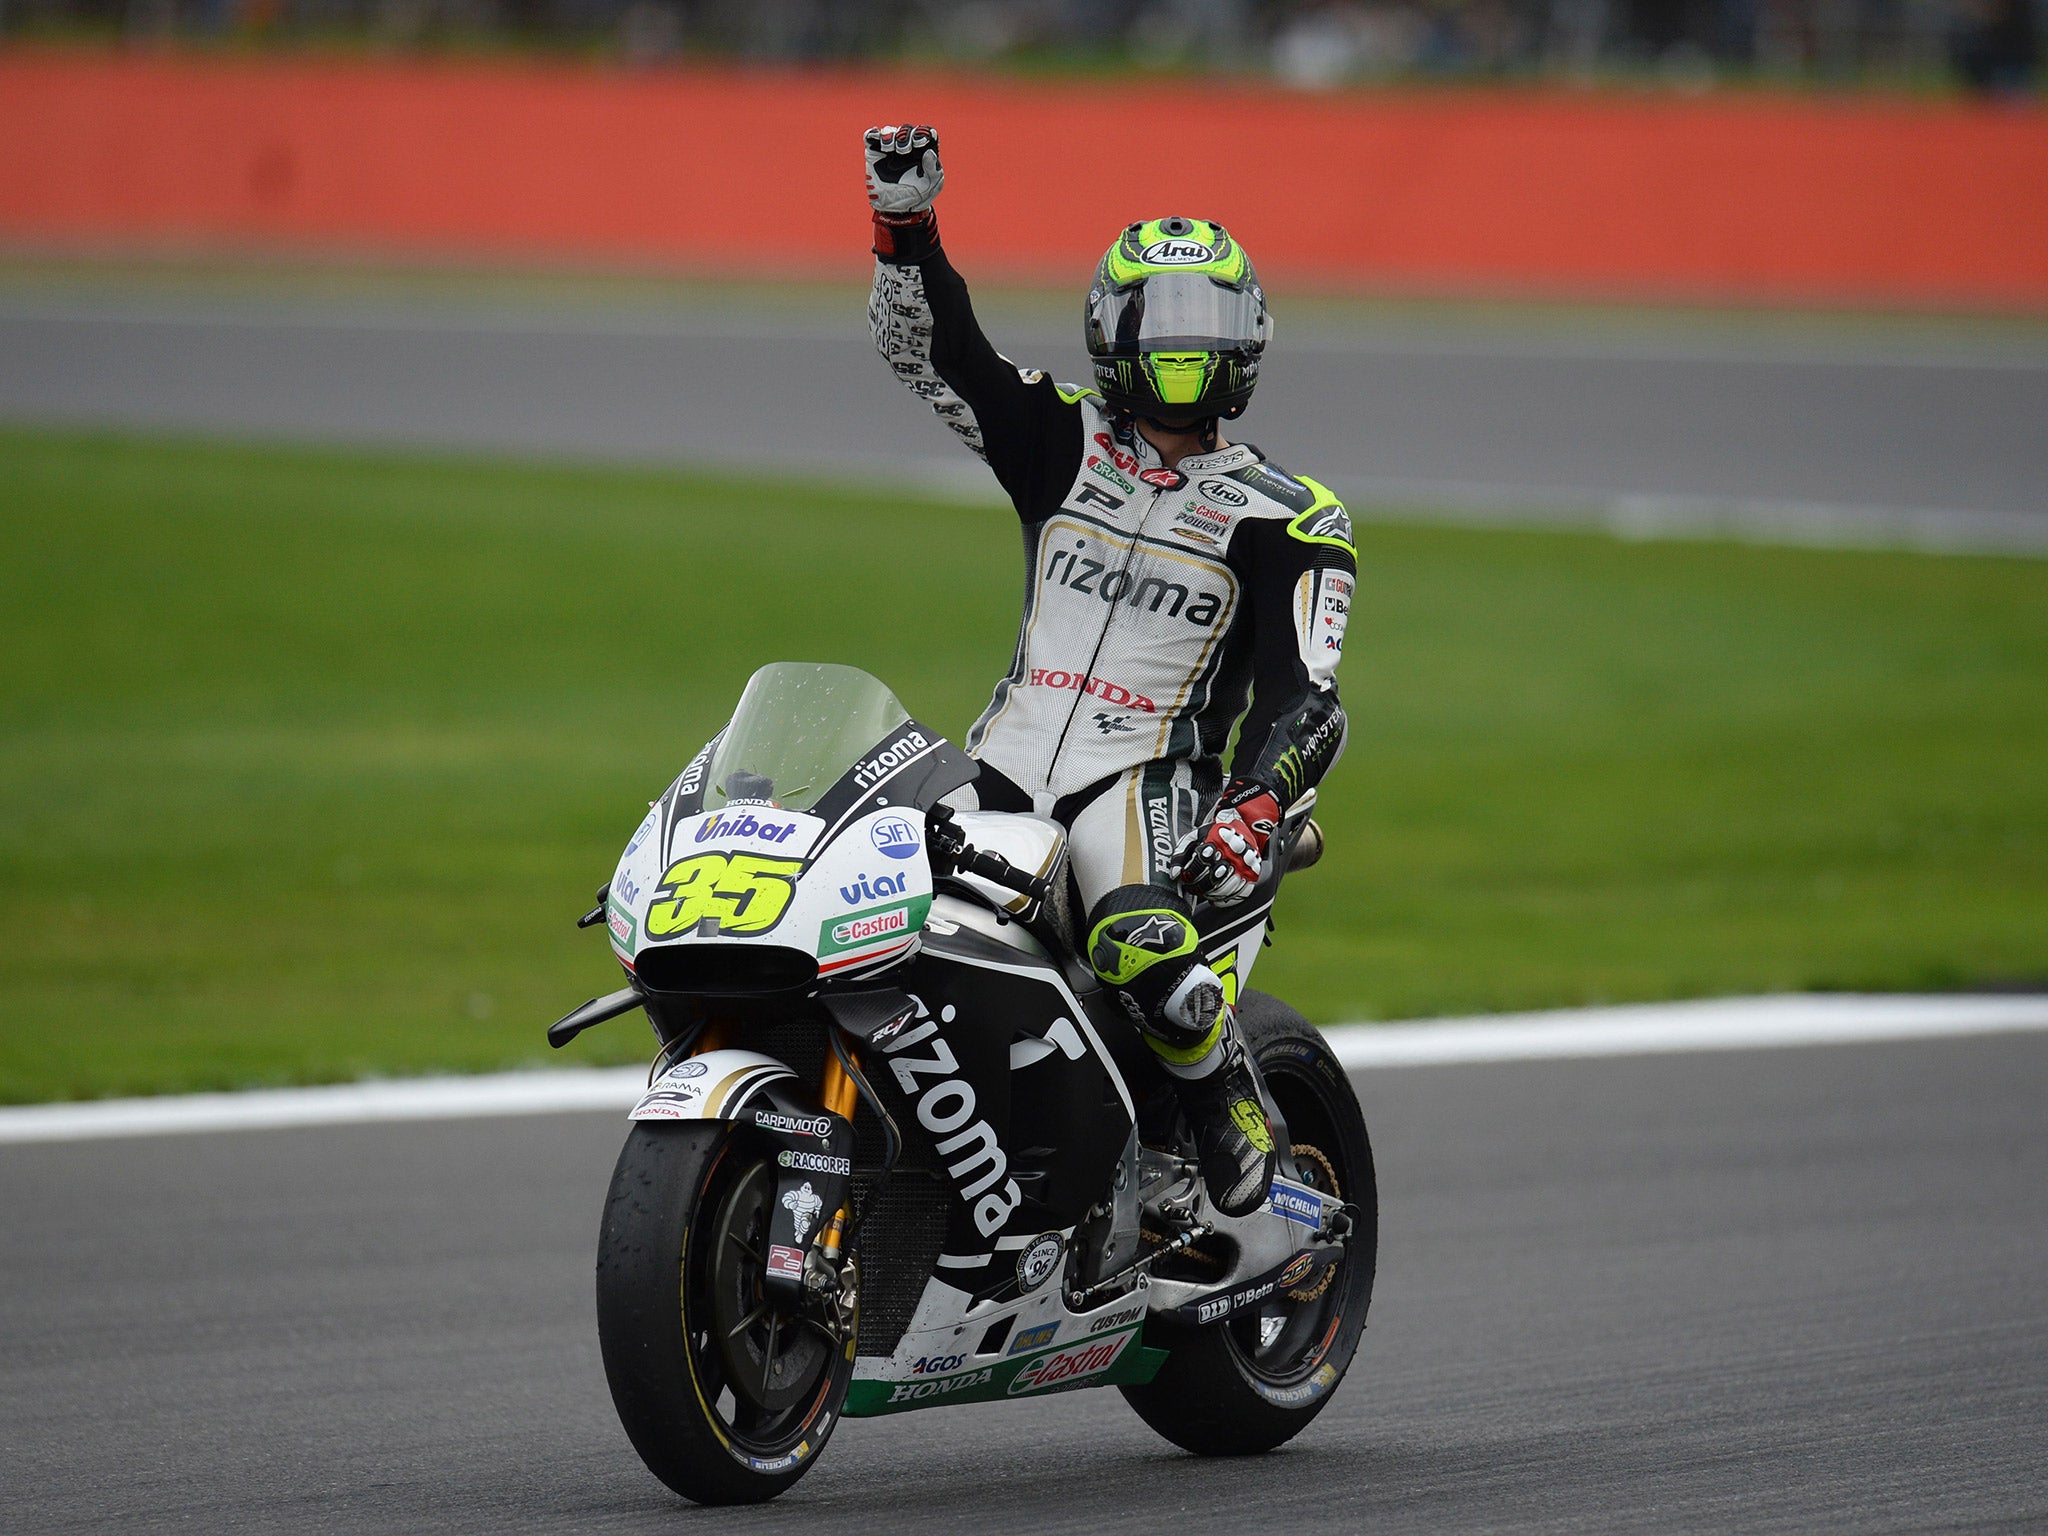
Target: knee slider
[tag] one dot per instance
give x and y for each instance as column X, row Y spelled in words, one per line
column 1142, row 942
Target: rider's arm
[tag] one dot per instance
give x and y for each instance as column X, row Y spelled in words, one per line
column 1303, row 576
column 924, row 324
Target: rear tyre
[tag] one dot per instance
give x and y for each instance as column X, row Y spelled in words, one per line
column 727, row 1399
column 1244, row 1386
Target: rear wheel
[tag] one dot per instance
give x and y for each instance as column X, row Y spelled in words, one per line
column 1247, row 1385
column 727, row 1398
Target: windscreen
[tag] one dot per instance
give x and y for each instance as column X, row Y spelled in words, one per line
column 798, row 727
column 1175, row 312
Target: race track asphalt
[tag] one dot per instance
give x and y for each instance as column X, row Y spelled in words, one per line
column 1790, row 429
column 1796, row 1290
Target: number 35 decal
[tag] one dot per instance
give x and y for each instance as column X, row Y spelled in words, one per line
column 746, row 893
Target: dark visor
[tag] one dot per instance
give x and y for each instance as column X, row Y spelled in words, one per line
column 1175, row 312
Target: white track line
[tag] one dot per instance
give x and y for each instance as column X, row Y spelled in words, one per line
column 1734, row 1024
column 1724, row 1024
column 263, row 1109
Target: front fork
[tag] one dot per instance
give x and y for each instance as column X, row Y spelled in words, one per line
column 805, row 1261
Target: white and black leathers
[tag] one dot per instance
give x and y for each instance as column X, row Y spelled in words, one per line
column 1159, row 603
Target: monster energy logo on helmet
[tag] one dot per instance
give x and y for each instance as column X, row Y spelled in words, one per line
column 1177, row 322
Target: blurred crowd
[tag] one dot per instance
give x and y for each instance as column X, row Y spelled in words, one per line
column 1988, row 45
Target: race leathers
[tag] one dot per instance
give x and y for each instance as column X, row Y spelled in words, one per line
column 1159, row 604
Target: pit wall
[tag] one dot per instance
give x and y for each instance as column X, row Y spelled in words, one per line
column 1749, row 199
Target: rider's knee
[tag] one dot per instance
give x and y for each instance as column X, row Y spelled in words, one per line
column 1142, row 943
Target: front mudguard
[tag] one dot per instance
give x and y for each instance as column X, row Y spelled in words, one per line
column 812, row 1148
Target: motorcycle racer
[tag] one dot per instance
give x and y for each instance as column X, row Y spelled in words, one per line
column 1179, row 586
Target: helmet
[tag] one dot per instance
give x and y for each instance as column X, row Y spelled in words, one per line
column 1176, row 322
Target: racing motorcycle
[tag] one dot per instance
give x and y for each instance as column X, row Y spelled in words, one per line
column 899, row 1148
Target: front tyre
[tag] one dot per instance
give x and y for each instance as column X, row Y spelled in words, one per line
column 1254, row 1382
column 727, row 1399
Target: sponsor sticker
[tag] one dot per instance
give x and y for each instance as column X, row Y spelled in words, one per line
column 1065, row 1366
column 670, row 1101
column 1177, row 253
column 1040, row 1257
column 803, row 1203
column 1223, row 492
column 640, row 836
column 1303, row 1206
column 933, row 1365
column 866, row 888
column 1028, row 1339
column 814, row 1162
column 975, row 1162
column 872, row 926
column 1300, row 1392
column 1237, row 1301
column 1296, row 1270
column 895, row 837
column 786, row 1262
column 766, row 828
column 1165, row 479
column 688, row 1069
column 1122, row 1318
column 1098, row 687
column 665, row 1107
column 1110, row 473
column 780, row 1463
column 918, row 1391
column 889, row 758
column 1127, row 462
column 793, row 1125
column 620, row 921
column 692, row 778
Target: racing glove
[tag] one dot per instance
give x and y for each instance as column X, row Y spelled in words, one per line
column 904, row 173
column 1223, row 860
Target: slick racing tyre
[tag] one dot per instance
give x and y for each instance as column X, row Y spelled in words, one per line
column 728, row 1399
column 1255, row 1381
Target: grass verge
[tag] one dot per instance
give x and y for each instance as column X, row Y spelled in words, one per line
column 308, row 758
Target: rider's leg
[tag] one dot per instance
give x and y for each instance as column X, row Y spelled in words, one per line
column 1141, row 941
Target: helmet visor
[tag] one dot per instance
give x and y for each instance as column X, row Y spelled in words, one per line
column 1175, row 312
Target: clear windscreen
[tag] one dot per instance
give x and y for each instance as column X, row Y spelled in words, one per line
column 799, row 726
column 1176, row 312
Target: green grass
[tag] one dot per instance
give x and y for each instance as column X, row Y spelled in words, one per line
column 308, row 759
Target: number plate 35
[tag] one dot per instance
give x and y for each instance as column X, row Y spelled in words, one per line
column 745, row 892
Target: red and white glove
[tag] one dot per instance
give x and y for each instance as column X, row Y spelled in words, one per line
column 904, row 173
column 1224, row 860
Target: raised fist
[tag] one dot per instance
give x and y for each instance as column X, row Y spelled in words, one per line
column 904, row 173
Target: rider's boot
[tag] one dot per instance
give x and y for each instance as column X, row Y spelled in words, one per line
column 1142, row 942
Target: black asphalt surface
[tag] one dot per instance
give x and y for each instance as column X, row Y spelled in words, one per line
column 1752, row 426
column 1797, row 1291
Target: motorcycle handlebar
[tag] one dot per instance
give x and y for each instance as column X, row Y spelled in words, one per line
column 953, row 854
column 999, row 870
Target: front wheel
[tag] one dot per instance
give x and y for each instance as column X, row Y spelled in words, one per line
column 727, row 1398
column 1256, row 1381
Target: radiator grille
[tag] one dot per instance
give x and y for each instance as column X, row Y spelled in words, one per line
column 903, row 1224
